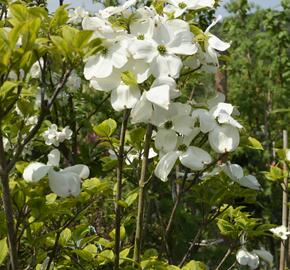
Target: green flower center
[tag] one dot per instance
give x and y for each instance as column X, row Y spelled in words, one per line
column 182, row 147
column 104, row 51
column 182, row 5
column 168, row 125
column 141, row 37
column 161, row 49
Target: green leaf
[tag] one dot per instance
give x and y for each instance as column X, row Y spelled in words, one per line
column 60, row 17
column 65, row 236
column 106, row 128
column 124, row 254
column 275, row 174
column 82, row 38
column 7, row 87
column 255, row 144
column 136, row 136
column 194, row 265
column 51, row 198
column 122, row 233
column 92, row 249
column 21, row 165
column 105, row 256
column 133, row 195
column 85, row 255
column 61, row 45
column 3, row 250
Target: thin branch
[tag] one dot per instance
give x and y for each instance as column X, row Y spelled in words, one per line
column 228, row 253
column 8, row 209
column 141, row 200
column 44, row 111
column 118, row 208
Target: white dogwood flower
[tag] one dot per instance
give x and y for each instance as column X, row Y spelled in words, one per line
column 176, row 120
column 280, row 232
column 64, row 183
column 114, row 55
column 161, row 47
column 191, row 157
column 54, row 137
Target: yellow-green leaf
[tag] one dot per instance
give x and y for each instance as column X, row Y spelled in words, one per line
column 255, row 144
column 3, row 250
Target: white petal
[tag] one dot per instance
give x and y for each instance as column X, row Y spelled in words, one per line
column 202, row 4
column 98, row 66
column 177, row 25
column 53, row 158
column 108, row 83
column 92, row 23
column 183, row 44
column 250, row 181
column 35, row 171
column 142, row 28
column 253, row 261
column 183, row 124
column 206, row 120
column 233, row 171
column 81, row 170
column 64, row 183
column 166, row 140
column 217, row 44
column 166, row 65
column 142, row 111
column 124, row 97
column 159, row 95
column 142, row 49
column 118, row 55
column 161, row 33
column 224, row 139
column 174, row 93
column 224, row 118
column 288, row 154
column 165, row 165
column 195, row 158
column 264, row 255
column 189, row 137
column 139, row 68
column 242, row 257
column 222, row 107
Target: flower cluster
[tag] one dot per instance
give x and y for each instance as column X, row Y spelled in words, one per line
column 140, row 64
column 54, row 137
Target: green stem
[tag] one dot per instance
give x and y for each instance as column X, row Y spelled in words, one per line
column 118, row 209
column 141, row 201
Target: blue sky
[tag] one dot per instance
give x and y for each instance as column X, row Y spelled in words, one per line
column 87, row 4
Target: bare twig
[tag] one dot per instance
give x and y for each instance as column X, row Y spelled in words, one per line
column 119, row 188
column 284, row 207
column 141, row 200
